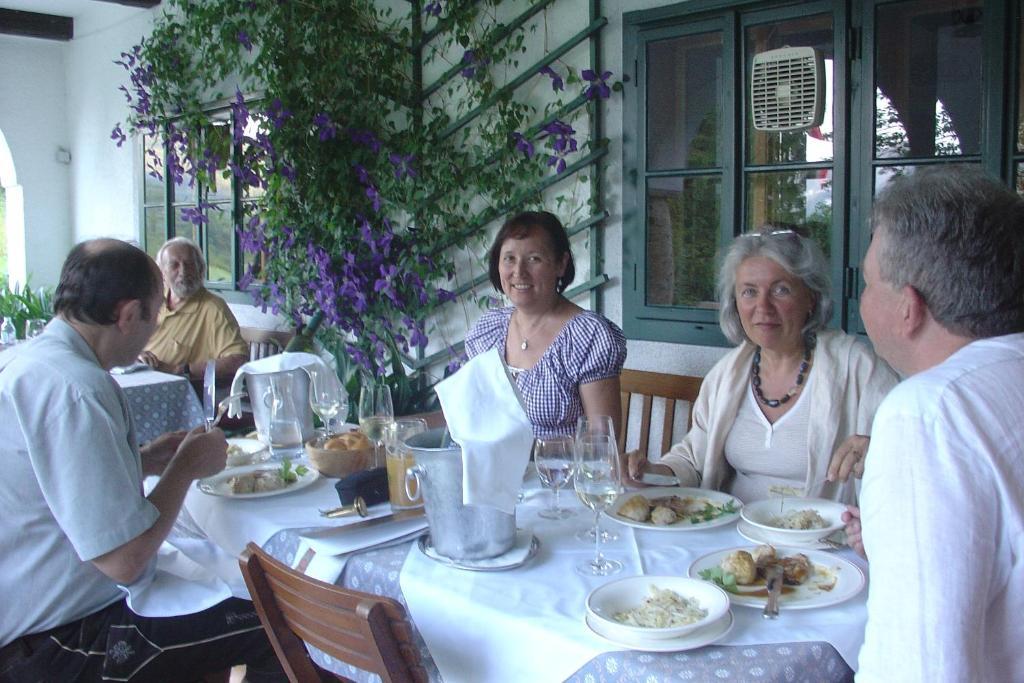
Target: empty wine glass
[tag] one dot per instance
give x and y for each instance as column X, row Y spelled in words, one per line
column 596, row 425
column 34, row 327
column 375, row 414
column 596, row 480
column 327, row 397
column 553, row 458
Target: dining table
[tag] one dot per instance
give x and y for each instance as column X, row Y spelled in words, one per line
column 527, row 620
column 159, row 402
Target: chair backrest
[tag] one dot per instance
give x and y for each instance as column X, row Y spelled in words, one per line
column 648, row 386
column 263, row 343
column 367, row 631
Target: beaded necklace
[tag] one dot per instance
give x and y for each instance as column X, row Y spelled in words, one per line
column 755, row 376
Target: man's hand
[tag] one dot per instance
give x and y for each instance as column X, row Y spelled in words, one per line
column 150, row 359
column 848, row 459
column 203, row 453
column 854, row 539
column 158, row 452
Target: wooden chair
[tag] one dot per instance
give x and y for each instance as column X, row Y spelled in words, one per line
column 263, row 343
column 367, row 631
column 648, row 386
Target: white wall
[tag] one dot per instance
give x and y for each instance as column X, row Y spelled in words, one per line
column 34, row 123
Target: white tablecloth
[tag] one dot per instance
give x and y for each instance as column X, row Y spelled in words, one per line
column 528, row 623
column 160, row 403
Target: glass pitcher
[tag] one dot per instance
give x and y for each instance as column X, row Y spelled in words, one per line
column 284, row 430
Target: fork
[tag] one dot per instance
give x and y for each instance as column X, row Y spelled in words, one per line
column 773, row 581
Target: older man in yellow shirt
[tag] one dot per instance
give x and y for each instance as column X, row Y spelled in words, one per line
column 194, row 326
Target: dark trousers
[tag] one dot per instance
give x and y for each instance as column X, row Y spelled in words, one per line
column 115, row 644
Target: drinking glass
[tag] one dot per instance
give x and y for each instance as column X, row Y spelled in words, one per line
column 553, row 458
column 375, row 414
column 597, row 483
column 399, row 458
column 34, row 327
column 596, row 425
column 327, row 397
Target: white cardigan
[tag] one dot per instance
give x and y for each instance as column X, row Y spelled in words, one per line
column 850, row 382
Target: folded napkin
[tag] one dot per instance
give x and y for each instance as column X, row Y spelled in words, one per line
column 276, row 363
column 486, row 418
column 322, row 553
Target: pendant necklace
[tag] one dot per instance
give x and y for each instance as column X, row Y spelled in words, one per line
column 524, row 344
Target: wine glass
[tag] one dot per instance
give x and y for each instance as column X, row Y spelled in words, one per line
column 596, row 425
column 375, row 414
column 597, row 483
column 34, row 327
column 327, row 397
column 553, row 458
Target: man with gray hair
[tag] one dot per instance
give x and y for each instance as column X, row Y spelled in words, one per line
column 194, row 326
column 942, row 504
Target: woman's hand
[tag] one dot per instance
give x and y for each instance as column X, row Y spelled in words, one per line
column 854, row 539
column 848, row 458
column 636, row 464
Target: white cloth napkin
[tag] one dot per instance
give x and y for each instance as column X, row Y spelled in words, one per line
column 276, row 363
column 486, row 418
column 322, row 553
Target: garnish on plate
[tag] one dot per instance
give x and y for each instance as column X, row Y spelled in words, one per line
column 712, row 511
column 289, row 475
column 720, row 578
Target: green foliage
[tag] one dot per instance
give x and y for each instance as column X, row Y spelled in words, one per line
column 361, row 181
column 23, row 303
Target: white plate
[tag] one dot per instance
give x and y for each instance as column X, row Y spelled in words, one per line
column 716, row 497
column 753, row 534
column 848, row 580
column 254, row 452
column 621, row 595
column 690, row 641
column 525, row 547
column 217, row 485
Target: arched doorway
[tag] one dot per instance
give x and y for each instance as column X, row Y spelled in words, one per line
column 12, row 218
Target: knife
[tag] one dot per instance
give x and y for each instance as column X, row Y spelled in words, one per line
column 210, row 393
column 773, row 582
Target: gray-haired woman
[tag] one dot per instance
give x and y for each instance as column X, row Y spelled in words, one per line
column 792, row 398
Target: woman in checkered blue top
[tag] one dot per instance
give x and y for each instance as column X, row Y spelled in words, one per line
column 565, row 360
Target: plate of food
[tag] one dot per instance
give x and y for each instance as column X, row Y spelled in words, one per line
column 246, row 452
column 259, row 481
column 756, row 536
column 675, row 509
column 811, row 578
column 655, row 607
column 787, row 521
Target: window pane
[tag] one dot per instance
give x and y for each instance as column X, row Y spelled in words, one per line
column 800, row 197
column 153, row 164
column 184, row 190
column 183, row 227
column 155, row 230
column 1018, row 178
column 814, row 144
column 886, row 173
column 683, row 88
column 928, row 78
column 256, row 125
column 217, row 153
column 1020, row 83
column 683, row 216
column 219, row 251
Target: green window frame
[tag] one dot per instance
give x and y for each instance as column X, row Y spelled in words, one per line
column 990, row 28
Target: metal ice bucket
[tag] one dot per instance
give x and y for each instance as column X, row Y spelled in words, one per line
column 457, row 531
column 257, row 385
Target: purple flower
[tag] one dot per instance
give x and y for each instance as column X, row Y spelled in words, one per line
column 325, row 128
column 241, row 116
column 473, row 64
column 365, row 138
column 243, row 38
column 277, row 113
column 403, row 165
column 523, row 145
column 433, row 8
column 118, row 134
column 556, row 80
column 598, row 87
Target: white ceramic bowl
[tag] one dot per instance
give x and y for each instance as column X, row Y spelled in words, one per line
column 605, row 602
column 764, row 513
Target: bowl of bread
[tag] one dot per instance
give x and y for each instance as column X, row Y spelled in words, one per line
column 339, row 455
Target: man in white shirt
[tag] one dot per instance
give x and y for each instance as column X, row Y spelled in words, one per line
column 76, row 523
column 942, row 503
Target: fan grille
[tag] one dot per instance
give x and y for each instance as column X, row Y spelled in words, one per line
column 786, row 89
